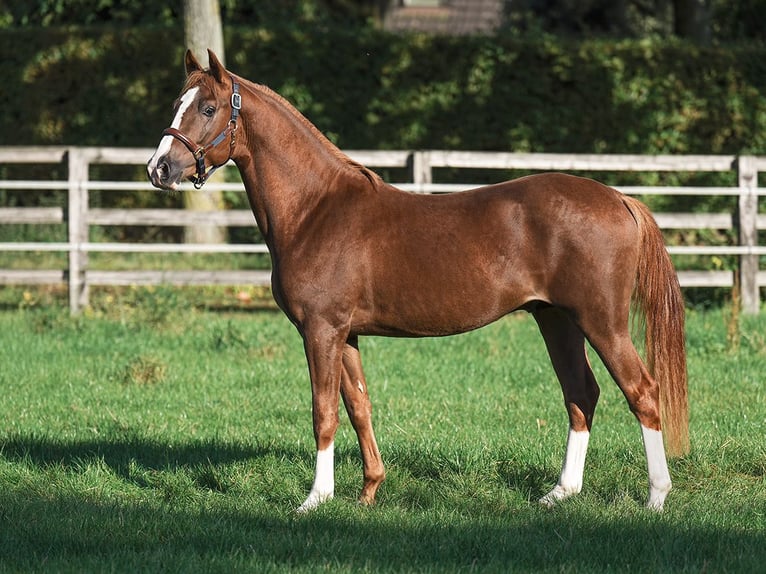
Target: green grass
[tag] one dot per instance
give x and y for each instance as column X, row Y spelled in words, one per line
column 151, row 436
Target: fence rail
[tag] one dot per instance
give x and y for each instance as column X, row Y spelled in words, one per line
column 420, row 166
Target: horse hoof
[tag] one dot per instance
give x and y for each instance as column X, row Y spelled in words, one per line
column 312, row 502
column 557, row 495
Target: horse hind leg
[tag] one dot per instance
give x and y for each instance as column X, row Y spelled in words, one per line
column 566, row 346
column 643, row 396
column 353, row 389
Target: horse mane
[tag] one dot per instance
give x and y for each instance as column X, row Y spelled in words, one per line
column 371, row 176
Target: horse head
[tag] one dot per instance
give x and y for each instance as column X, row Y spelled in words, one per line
column 201, row 137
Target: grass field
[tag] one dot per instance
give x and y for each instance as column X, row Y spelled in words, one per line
column 160, row 438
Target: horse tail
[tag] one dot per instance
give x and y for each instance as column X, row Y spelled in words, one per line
column 657, row 299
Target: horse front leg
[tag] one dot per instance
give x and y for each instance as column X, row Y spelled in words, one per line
column 324, row 350
column 355, row 395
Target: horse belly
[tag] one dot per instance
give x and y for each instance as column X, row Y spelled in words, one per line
column 447, row 293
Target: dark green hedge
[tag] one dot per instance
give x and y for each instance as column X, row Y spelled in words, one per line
column 369, row 89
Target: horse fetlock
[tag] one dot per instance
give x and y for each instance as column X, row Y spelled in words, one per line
column 657, row 466
column 370, row 489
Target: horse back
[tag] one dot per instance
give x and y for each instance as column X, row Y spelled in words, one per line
column 413, row 264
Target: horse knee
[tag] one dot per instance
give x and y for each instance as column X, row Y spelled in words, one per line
column 324, row 429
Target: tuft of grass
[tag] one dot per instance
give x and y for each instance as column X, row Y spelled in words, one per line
column 144, row 370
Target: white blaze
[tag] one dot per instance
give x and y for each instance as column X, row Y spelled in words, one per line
column 164, row 147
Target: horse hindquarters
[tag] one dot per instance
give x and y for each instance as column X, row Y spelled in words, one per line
column 657, row 395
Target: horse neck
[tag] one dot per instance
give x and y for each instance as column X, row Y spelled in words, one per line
column 288, row 167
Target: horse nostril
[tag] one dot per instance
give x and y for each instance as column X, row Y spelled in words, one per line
column 158, row 171
column 161, row 172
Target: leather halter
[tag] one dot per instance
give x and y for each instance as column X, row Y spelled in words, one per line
column 199, row 151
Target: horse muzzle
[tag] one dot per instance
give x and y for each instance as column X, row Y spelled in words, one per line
column 164, row 173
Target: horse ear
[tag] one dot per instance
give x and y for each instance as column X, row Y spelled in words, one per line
column 191, row 63
column 216, row 68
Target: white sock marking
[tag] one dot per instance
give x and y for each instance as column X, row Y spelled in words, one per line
column 164, row 147
column 657, row 467
column 324, row 480
column 570, row 481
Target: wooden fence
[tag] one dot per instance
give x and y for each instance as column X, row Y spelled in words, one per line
column 419, row 165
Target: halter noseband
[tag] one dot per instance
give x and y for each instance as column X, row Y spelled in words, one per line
column 199, row 151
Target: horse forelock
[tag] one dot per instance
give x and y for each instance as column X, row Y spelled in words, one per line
column 196, row 79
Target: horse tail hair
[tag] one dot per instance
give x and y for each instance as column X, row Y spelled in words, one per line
column 658, row 301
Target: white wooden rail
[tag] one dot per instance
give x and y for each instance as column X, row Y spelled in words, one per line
column 420, row 165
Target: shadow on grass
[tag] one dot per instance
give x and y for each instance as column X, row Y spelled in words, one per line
column 123, row 454
column 118, row 454
column 129, row 538
column 143, row 462
column 72, row 531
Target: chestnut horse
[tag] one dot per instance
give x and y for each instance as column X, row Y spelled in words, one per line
column 352, row 255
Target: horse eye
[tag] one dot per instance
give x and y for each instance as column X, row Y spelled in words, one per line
column 209, row 111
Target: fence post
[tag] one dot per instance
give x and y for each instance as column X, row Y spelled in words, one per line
column 748, row 233
column 77, row 224
column 421, row 169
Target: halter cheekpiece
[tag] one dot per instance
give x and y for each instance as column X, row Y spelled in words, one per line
column 199, row 151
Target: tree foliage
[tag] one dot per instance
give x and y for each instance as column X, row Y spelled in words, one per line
column 370, row 89
column 46, row 13
column 725, row 20
column 699, row 20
